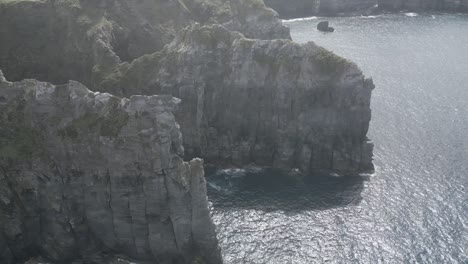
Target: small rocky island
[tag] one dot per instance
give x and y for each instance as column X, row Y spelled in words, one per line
column 106, row 108
column 324, row 27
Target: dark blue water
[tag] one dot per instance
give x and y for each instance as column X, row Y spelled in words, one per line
column 415, row 208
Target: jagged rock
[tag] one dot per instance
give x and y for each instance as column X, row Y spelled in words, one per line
column 272, row 103
column 82, row 172
column 323, row 26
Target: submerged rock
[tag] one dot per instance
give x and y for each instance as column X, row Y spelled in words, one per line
column 82, row 172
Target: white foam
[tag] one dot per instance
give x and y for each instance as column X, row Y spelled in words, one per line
column 299, row 19
column 369, row 16
column 411, row 14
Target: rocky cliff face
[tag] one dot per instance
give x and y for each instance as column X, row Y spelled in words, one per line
column 272, row 103
column 245, row 100
column 303, row 8
column 82, row 172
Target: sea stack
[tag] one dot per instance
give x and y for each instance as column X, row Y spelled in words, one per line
column 323, row 26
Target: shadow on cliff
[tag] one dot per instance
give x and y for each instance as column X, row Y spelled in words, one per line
column 270, row 190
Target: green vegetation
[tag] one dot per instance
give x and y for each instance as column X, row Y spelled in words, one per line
column 255, row 4
column 328, row 62
column 18, row 140
column 199, row 260
column 276, row 60
column 114, row 121
column 107, row 126
column 86, row 123
column 135, row 75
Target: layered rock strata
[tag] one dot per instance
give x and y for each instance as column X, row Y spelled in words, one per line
column 304, row 8
column 82, row 172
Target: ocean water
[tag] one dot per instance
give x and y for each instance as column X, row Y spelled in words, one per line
column 414, row 209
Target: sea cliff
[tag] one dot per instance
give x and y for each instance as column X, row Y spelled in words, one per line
column 83, row 171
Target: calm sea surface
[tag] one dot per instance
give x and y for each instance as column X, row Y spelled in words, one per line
column 415, row 208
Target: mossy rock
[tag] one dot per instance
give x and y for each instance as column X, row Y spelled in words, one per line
column 18, row 140
column 108, row 125
column 328, row 62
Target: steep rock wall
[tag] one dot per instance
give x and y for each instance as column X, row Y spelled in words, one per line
column 82, row 172
column 272, row 103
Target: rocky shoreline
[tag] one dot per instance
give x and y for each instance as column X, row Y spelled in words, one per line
column 97, row 165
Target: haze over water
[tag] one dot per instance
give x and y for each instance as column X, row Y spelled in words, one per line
column 415, row 208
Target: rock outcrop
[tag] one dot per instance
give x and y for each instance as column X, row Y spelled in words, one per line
column 82, row 172
column 324, row 26
column 304, row 8
column 269, row 102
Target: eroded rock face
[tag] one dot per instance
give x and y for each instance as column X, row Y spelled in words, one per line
column 82, row 172
column 272, row 103
column 303, row 8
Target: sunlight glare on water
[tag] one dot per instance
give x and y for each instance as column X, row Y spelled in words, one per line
column 414, row 209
